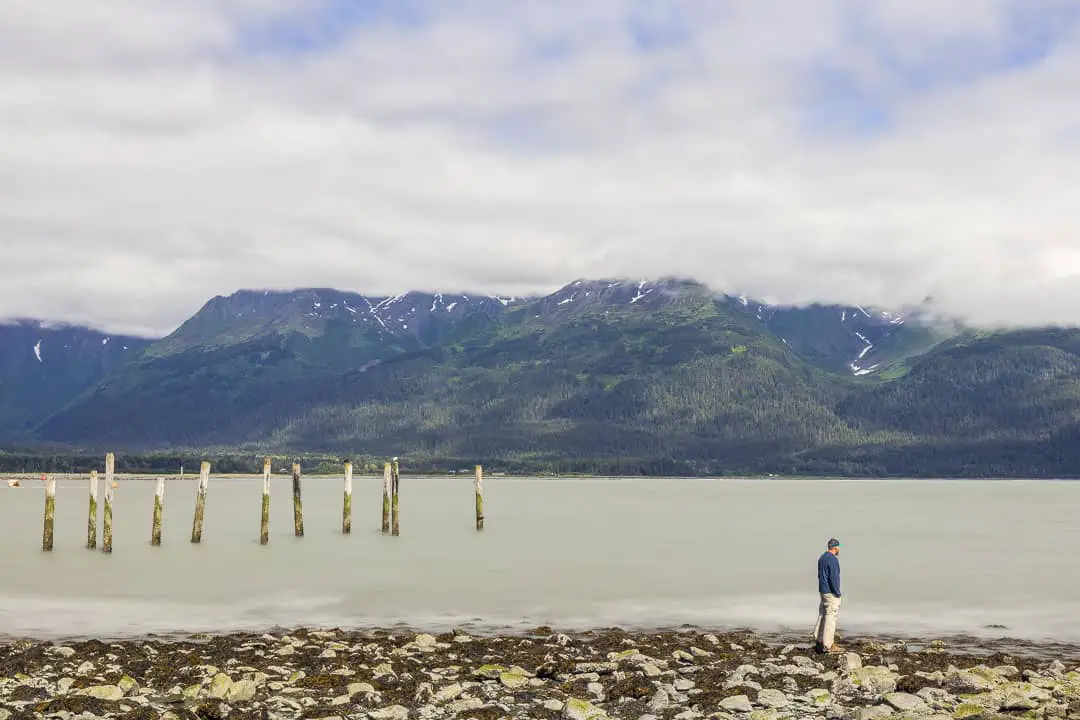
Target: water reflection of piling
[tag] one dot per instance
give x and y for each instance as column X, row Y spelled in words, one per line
column 91, row 522
column 395, row 529
column 346, row 508
column 110, row 485
column 200, row 502
column 264, row 525
column 298, row 505
column 50, row 511
column 479, row 497
column 159, row 507
column 388, row 480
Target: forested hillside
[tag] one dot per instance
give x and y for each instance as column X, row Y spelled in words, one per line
column 601, row 376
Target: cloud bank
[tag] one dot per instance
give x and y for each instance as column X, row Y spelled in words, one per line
column 840, row 151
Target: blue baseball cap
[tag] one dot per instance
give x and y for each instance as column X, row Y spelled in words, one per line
column 833, row 542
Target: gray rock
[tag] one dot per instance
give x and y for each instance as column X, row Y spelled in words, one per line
column 870, row 680
column 394, row 712
column 651, row 670
column 554, row 705
column 736, row 703
column 966, row 682
column 64, row 652
column 848, row 662
column 659, row 701
column 450, row 692
column 873, row 713
column 936, row 698
column 465, row 704
column 683, row 684
column 905, row 702
column 425, row 641
column 601, row 668
column 773, row 699
column 740, row 673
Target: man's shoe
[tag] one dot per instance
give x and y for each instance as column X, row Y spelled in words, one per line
column 819, row 648
column 836, row 649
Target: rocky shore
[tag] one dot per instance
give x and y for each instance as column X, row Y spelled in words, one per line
column 395, row 675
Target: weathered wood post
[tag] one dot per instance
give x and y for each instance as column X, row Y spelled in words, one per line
column 346, row 510
column 91, row 522
column 297, row 503
column 50, row 512
column 479, row 497
column 264, row 525
column 106, row 532
column 200, row 502
column 388, row 475
column 394, row 501
column 159, row 506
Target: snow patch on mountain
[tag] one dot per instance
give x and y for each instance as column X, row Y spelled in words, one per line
column 37, row 351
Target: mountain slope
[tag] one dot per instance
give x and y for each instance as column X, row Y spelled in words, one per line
column 610, row 375
column 43, row 367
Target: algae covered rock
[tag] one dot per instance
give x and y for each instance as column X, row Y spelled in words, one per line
column 104, row 692
column 578, row 709
column 871, row 680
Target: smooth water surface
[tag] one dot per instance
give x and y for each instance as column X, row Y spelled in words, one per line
column 917, row 556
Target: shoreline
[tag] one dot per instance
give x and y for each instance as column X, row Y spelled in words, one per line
column 395, row 673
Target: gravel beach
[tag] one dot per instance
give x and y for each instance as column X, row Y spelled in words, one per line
column 610, row 673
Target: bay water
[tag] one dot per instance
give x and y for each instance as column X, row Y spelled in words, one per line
column 919, row 557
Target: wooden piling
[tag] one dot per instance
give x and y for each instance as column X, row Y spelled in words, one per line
column 50, row 511
column 346, row 509
column 159, row 507
column 388, row 475
column 106, row 532
column 394, row 501
column 264, row 525
column 297, row 503
column 479, row 497
column 91, row 522
column 200, row 502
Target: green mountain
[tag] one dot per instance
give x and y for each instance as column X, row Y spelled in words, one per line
column 45, row 366
column 603, row 376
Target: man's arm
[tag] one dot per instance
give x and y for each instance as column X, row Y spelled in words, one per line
column 834, row 577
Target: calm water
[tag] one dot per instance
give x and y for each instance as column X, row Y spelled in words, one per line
column 932, row 557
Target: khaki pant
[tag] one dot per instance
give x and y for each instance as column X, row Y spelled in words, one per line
column 825, row 629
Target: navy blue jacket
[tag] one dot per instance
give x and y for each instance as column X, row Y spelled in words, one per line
column 828, row 574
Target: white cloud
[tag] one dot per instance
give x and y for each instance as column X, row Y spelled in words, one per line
column 838, row 152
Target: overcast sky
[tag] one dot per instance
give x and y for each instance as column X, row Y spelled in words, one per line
column 154, row 154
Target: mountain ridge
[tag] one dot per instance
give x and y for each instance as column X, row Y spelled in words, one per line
column 655, row 373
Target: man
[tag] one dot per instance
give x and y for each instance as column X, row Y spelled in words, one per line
column 828, row 571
